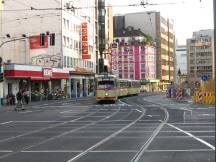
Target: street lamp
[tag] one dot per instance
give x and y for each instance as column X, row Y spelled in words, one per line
column 13, row 40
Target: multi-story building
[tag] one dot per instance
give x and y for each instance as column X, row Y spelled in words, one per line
column 49, row 46
column 200, row 52
column 162, row 31
column 105, row 35
column 181, row 61
column 132, row 57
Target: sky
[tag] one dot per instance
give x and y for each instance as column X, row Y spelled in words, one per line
column 188, row 15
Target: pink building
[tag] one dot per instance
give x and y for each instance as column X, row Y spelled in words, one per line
column 134, row 61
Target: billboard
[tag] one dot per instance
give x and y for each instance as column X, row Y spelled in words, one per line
column 34, row 42
column 85, row 52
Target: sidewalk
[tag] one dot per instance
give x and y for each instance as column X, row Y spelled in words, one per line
column 5, row 108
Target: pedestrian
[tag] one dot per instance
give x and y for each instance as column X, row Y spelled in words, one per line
column 26, row 96
column 46, row 93
column 19, row 97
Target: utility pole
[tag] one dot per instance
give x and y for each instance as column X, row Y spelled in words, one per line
column 214, row 17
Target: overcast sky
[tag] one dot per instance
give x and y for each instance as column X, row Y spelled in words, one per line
column 188, row 15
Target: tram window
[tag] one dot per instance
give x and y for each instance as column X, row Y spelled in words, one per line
column 106, row 84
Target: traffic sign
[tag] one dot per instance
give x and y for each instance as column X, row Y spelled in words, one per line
column 204, row 77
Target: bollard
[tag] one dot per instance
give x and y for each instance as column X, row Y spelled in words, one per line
column 177, row 93
column 200, row 97
column 180, row 94
column 204, row 97
column 213, row 98
column 195, row 97
column 207, row 97
column 210, row 99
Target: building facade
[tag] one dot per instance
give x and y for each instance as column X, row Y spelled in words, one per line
column 200, row 52
column 51, row 38
column 181, row 61
column 161, row 29
column 133, row 58
column 105, row 35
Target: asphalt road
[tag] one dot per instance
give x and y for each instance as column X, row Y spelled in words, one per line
column 136, row 129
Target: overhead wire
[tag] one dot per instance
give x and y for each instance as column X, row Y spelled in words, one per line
column 72, row 7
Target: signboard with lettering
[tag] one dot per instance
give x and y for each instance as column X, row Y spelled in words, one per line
column 85, row 52
column 47, row 72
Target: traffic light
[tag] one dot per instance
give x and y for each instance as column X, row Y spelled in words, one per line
column 52, row 39
column 42, row 39
column 1, row 77
column 106, row 69
column 1, row 71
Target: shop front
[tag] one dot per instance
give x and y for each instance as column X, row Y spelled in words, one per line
column 82, row 84
column 34, row 79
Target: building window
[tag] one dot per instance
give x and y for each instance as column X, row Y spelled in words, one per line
column 65, row 61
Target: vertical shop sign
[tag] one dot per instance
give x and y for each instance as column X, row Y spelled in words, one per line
column 85, row 52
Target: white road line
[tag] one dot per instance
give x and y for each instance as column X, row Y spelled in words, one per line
column 190, row 131
column 120, row 151
column 193, row 123
column 30, row 121
column 167, row 136
column 5, row 151
column 68, row 111
column 6, row 122
column 138, row 110
column 25, row 112
column 191, row 135
column 149, row 116
column 124, row 103
column 193, row 150
column 206, row 115
column 106, row 139
column 51, row 151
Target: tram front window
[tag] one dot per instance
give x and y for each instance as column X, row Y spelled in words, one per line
column 106, row 84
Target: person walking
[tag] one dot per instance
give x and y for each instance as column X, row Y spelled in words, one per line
column 26, row 96
column 19, row 97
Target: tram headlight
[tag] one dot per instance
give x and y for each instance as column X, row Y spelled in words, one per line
column 106, row 94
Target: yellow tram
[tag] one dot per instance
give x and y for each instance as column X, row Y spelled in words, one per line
column 109, row 88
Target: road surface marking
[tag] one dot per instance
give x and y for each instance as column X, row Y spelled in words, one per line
column 30, row 121
column 50, row 151
column 138, row 110
column 210, row 123
column 68, row 111
column 5, row 151
column 193, row 150
column 206, row 115
column 191, row 135
column 6, row 122
column 110, row 151
column 25, row 112
column 149, row 116
column 106, row 139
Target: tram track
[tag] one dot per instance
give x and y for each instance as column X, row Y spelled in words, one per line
column 106, row 139
column 58, row 136
column 138, row 154
column 163, row 122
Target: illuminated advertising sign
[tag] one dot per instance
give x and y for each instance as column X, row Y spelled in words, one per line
column 47, row 72
column 85, row 52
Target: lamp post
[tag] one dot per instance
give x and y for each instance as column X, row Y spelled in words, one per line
column 13, row 40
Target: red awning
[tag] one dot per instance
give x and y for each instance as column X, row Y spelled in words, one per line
column 39, row 78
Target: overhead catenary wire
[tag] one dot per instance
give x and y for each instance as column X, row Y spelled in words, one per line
column 73, row 7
